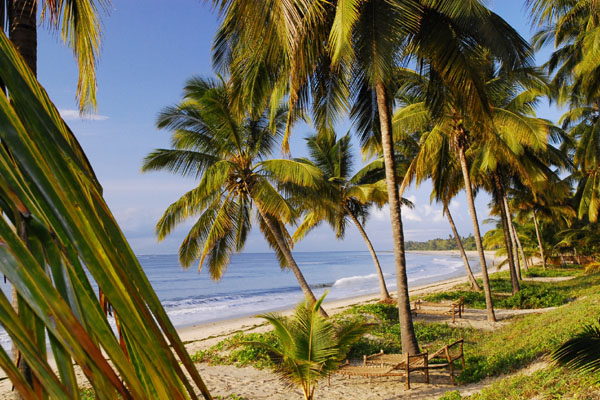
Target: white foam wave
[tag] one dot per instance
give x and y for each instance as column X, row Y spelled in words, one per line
column 352, row 280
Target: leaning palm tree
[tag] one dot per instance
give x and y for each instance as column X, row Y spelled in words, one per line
column 229, row 153
column 73, row 240
column 310, row 347
column 342, row 197
column 430, row 154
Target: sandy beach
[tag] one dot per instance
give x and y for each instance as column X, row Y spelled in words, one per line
column 252, row 383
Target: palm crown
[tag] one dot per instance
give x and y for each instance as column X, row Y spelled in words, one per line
column 228, row 151
column 340, row 197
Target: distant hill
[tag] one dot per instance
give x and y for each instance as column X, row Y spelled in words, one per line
column 441, row 244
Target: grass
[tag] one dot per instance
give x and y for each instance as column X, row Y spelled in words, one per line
column 531, row 296
column 549, row 383
column 239, row 350
column 528, row 337
column 552, row 272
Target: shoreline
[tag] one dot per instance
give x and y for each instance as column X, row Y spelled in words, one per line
column 202, row 336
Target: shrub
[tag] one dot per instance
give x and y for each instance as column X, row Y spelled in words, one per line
column 592, row 268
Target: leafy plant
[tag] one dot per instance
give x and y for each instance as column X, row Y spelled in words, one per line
column 309, row 347
column 582, row 352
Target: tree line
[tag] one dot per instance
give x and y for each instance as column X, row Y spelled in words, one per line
column 442, row 244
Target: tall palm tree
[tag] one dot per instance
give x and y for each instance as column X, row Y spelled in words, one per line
column 229, row 153
column 342, row 197
column 574, row 29
column 293, row 34
column 429, row 158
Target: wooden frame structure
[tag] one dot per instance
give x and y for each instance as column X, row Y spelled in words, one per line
column 426, row 307
column 448, row 354
column 416, row 363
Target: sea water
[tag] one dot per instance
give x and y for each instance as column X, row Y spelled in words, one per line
column 254, row 283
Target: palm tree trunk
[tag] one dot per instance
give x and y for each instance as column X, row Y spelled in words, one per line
column 289, row 258
column 22, row 29
column 506, row 230
column 474, row 285
column 520, row 246
column 407, row 330
column 515, row 239
column 539, row 238
column 489, row 305
column 383, row 292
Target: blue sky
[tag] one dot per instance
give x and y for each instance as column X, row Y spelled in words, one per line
column 149, row 49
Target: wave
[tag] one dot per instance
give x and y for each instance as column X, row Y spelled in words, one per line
column 352, row 280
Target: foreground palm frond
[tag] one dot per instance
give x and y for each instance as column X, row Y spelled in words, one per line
column 56, row 232
column 581, row 352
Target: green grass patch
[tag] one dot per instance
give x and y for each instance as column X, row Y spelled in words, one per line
column 239, row 350
column 549, row 383
column 553, row 272
column 531, row 296
column 529, row 337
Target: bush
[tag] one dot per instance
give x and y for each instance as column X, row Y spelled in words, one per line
column 239, row 350
column 592, row 268
column 453, row 395
column 552, row 272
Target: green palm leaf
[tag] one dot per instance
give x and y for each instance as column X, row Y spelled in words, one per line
column 59, row 201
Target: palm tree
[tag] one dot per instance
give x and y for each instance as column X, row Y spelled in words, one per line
column 80, row 29
column 310, row 347
column 435, row 160
column 548, row 201
column 228, row 152
column 73, row 240
column 497, row 142
column 574, row 29
column 342, row 197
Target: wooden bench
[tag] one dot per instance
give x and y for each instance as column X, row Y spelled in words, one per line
column 448, row 354
column 416, row 363
column 426, row 307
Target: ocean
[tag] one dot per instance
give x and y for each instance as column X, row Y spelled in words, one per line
column 254, row 283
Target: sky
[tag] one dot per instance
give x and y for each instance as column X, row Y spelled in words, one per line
column 150, row 48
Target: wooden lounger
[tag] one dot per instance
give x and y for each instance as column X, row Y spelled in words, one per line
column 449, row 354
column 417, row 362
column 426, row 307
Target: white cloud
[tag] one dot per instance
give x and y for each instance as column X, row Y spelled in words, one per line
column 74, row 115
column 410, row 214
column 455, row 204
column 381, row 214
